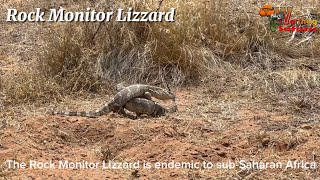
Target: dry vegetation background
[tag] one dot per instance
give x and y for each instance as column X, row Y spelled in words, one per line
column 224, row 47
column 210, row 42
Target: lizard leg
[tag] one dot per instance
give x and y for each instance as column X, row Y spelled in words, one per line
column 130, row 116
column 122, row 112
column 138, row 115
column 147, row 95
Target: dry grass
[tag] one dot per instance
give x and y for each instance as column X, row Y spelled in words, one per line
column 209, row 40
column 254, row 92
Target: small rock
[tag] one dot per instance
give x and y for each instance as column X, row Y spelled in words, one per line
column 194, row 153
column 222, row 154
column 83, row 155
column 281, row 146
column 173, row 174
column 225, row 144
column 135, row 173
column 306, row 127
column 265, row 142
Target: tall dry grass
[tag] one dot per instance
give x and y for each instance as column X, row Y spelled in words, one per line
column 208, row 40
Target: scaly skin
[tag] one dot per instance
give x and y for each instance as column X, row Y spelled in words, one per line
column 149, row 107
column 117, row 103
column 145, row 105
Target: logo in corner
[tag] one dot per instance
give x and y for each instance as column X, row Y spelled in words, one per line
column 281, row 18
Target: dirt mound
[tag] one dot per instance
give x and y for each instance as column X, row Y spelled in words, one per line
column 253, row 135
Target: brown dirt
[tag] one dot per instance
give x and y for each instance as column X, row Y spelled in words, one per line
column 206, row 128
column 206, row 135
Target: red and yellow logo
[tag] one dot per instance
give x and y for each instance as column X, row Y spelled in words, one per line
column 280, row 18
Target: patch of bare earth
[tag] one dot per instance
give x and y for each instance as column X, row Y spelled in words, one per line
column 206, row 128
column 203, row 130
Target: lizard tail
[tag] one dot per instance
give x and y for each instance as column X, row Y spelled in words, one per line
column 99, row 112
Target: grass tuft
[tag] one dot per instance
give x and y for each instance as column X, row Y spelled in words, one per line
column 208, row 40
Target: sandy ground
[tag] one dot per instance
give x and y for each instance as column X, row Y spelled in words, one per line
column 201, row 131
column 206, row 129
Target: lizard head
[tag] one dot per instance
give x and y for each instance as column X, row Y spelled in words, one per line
column 159, row 110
